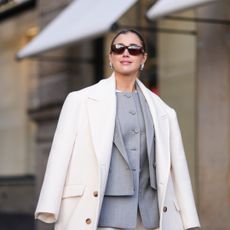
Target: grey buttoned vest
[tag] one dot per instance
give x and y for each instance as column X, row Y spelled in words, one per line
column 131, row 181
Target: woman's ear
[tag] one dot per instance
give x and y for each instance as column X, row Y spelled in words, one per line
column 145, row 58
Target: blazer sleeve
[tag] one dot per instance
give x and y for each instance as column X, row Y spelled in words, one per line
column 181, row 178
column 62, row 145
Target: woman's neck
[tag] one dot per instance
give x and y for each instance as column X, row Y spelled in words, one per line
column 125, row 83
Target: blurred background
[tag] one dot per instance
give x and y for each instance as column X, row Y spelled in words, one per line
column 51, row 47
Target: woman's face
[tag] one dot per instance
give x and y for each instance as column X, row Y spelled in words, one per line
column 125, row 63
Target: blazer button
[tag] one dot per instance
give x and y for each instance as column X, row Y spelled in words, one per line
column 88, row 221
column 95, row 193
column 165, row 209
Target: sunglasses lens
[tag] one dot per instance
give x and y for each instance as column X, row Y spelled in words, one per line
column 132, row 49
column 135, row 50
column 117, row 48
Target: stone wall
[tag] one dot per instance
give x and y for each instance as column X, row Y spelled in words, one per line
column 17, row 145
column 213, row 119
column 176, row 63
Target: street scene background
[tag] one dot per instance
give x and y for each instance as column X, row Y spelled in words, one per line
column 188, row 67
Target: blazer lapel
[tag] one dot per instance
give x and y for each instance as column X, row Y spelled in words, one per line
column 149, row 128
column 148, row 124
column 118, row 140
column 161, row 125
column 102, row 111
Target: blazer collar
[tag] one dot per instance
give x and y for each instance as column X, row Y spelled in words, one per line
column 161, row 125
column 104, row 89
column 149, row 127
column 157, row 109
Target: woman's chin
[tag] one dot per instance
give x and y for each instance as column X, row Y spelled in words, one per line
column 126, row 72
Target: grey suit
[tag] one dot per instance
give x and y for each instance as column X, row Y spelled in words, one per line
column 131, row 182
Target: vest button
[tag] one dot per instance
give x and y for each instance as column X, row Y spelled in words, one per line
column 165, row 209
column 136, row 130
column 95, row 193
column 88, row 221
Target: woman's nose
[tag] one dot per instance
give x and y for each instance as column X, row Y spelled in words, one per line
column 126, row 53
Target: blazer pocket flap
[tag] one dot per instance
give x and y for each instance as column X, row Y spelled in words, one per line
column 73, row 190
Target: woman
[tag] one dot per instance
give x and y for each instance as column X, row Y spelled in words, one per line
column 117, row 159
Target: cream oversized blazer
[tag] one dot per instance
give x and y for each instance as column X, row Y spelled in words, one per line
column 79, row 160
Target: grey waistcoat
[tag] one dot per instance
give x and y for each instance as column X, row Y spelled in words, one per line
column 131, row 181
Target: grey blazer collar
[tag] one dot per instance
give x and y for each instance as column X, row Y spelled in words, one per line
column 148, row 121
column 118, row 141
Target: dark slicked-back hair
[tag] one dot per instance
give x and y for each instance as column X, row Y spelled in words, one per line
column 125, row 31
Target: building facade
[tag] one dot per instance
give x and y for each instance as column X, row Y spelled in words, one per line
column 17, row 131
